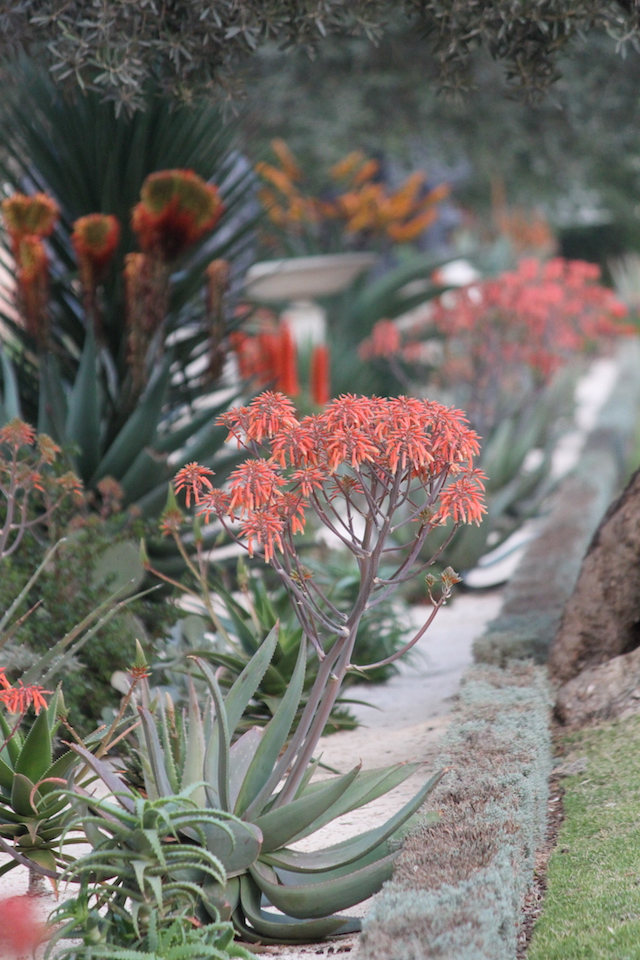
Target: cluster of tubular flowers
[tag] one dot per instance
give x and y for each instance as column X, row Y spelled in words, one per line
column 356, row 199
column 18, row 699
column 28, row 220
column 176, row 209
column 373, row 454
column 535, row 316
column 270, row 358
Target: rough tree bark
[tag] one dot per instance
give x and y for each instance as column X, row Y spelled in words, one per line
column 593, row 654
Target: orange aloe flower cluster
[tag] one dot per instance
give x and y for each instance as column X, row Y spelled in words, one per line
column 18, row 699
column 379, row 475
column 357, row 201
column 372, row 455
column 27, row 220
column 497, row 339
column 269, row 358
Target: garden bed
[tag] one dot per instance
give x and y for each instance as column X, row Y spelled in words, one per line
column 460, row 886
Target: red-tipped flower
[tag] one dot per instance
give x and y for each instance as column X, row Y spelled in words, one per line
column 176, row 209
column 320, row 383
column 26, row 216
column 95, row 239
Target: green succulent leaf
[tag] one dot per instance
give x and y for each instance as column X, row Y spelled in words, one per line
column 83, row 418
column 11, row 397
column 139, row 429
column 284, row 929
column 367, row 786
column 20, row 796
column 355, row 848
column 321, row 899
column 274, row 737
column 36, row 753
column 281, row 825
column 249, row 680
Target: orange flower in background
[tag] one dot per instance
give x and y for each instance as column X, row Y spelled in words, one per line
column 366, row 207
column 95, row 239
column 32, row 278
column 320, row 381
column 29, row 216
column 177, row 208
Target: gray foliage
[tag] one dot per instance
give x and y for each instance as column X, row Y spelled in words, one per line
column 115, row 46
column 458, row 889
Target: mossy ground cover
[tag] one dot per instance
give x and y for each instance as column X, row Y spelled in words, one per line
column 592, row 907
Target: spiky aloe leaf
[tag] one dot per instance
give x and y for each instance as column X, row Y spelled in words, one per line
column 36, row 753
column 12, row 741
column 217, row 758
column 355, row 848
column 241, row 756
column 283, row 929
column 321, row 899
column 274, row 737
column 11, row 396
column 368, row 786
column 117, row 786
column 139, row 429
column 281, row 825
column 237, row 852
column 52, row 401
column 21, row 796
column 155, row 754
column 195, row 749
column 249, row 680
column 83, row 418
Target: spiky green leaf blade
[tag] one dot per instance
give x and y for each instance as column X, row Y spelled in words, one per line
column 238, row 851
column 355, row 848
column 21, row 796
column 36, row 754
column 139, row 429
column 11, row 396
column 322, row 899
column 368, row 786
column 195, row 752
column 155, row 754
column 52, row 401
column 84, row 413
column 274, row 737
column 241, row 756
column 249, row 680
column 281, row 825
column 283, row 929
column 217, row 762
column 11, row 740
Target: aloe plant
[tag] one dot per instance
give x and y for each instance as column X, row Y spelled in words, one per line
column 196, row 754
column 137, row 898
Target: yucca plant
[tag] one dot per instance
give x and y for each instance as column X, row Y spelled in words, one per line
column 111, row 366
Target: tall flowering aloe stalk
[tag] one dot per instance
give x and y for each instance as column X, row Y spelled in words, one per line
column 380, row 475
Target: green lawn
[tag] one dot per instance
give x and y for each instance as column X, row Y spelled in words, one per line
column 592, row 908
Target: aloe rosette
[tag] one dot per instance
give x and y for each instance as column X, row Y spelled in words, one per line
column 255, row 847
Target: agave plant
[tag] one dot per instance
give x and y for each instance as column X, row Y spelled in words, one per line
column 196, row 754
column 137, row 898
